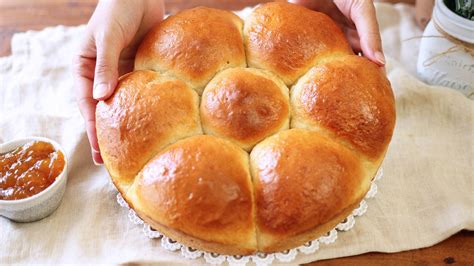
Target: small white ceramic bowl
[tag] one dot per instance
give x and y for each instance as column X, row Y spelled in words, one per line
column 42, row 204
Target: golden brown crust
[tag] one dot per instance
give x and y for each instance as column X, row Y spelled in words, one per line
column 245, row 105
column 270, row 244
column 351, row 97
column 190, row 241
column 132, row 126
column 288, row 39
column 200, row 186
column 302, row 181
column 193, row 45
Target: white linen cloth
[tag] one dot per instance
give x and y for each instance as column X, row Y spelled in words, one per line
column 426, row 194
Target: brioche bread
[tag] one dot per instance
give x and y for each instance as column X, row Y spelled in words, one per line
column 239, row 136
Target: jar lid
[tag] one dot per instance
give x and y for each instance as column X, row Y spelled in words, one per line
column 459, row 27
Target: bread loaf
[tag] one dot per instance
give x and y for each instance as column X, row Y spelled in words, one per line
column 239, row 136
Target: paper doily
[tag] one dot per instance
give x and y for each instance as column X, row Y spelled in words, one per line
column 259, row 259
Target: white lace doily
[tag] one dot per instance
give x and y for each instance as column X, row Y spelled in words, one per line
column 259, row 258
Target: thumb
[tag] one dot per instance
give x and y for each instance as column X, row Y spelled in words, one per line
column 362, row 13
column 106, row 68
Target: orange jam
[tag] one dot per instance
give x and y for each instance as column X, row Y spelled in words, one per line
column 29, row 169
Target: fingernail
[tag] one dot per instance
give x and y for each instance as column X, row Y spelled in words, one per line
column 96, row 158
column 423, row 22
column 379, row 57
column 100, row 90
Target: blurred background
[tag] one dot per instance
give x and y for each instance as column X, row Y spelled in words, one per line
column 23, row 15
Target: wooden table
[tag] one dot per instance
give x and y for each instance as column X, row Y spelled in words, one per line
column 22, row 15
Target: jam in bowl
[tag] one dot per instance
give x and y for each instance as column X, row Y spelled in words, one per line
column 32, row 178
column 29, row 169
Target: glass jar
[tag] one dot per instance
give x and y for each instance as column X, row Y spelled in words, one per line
column 446, row 55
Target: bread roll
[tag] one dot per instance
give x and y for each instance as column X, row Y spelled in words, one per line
column 199, row 192
column 288, row 39
column 146, row 113
column 245, row 105
column 303, row 181
column 348, row 98
column 193, row 46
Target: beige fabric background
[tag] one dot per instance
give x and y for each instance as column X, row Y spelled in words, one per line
column 425, row 196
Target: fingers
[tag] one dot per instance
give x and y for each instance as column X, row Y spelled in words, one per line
column 105, row 78
column 106, row 68
column 362, row 13
column 84, row 74
column 353, row 38
column 88, row 106
column 113, row 26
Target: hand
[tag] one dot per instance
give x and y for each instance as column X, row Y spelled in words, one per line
column 423, row 10
column 111, row 39
column 358, row 21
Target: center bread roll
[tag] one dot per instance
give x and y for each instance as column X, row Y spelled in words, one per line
column 245, row 105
